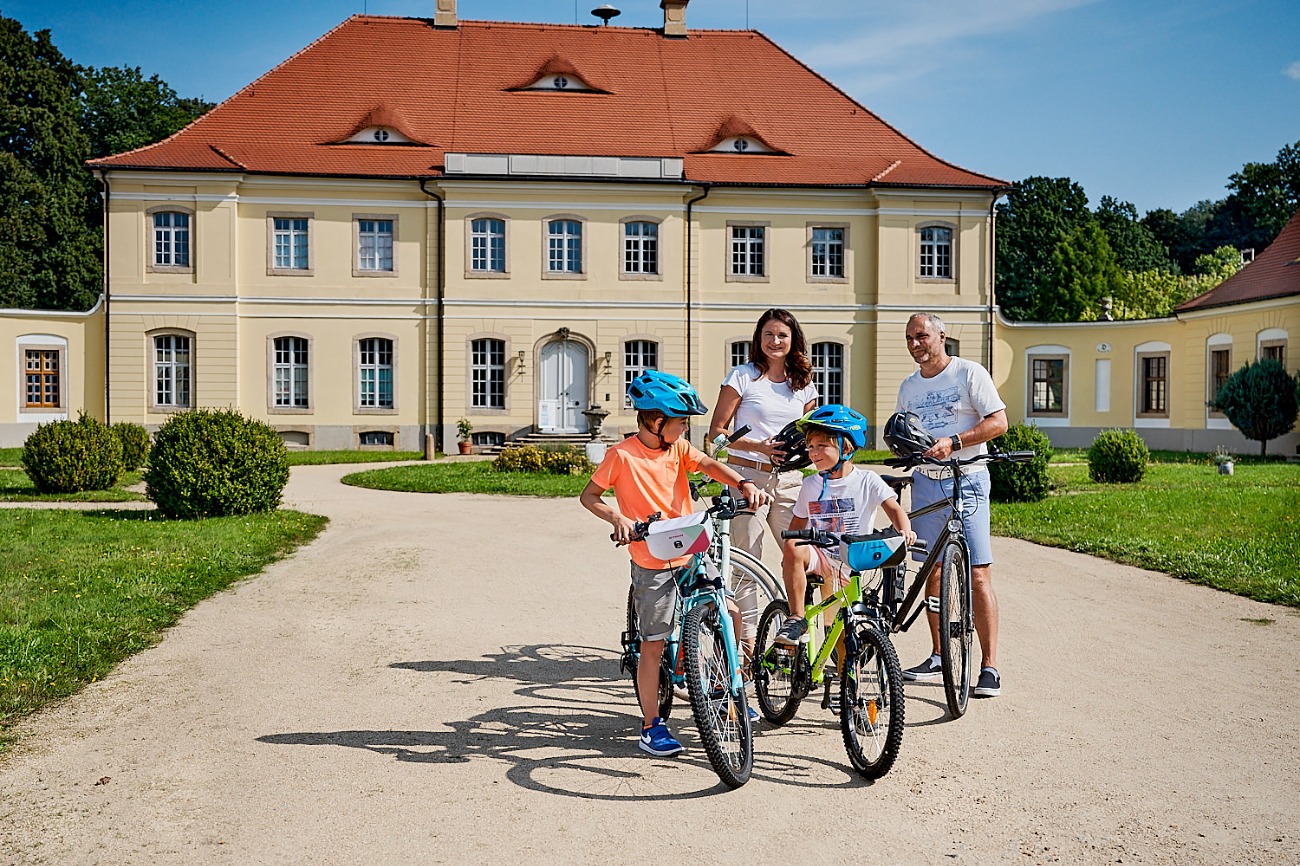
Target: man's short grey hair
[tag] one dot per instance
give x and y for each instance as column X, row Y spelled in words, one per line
column 934, row 321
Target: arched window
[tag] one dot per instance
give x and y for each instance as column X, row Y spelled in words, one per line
column 828, row 371
column 935, row 253
column 375, row 373
column 173, row 369
column 487, row 245
column 171, row 240
column 564, row 246
column 289, row 376
column 640, row 248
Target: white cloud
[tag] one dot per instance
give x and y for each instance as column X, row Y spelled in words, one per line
column 903, row 41
column 1293, row 71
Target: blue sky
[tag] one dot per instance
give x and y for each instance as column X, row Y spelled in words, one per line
column 1151, row 101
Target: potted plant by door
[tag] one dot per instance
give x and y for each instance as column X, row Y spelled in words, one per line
column 463, row 430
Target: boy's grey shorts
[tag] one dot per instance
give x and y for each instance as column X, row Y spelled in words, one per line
column 654, row 593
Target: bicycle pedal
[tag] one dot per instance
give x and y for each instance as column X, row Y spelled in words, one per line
column 932, row 602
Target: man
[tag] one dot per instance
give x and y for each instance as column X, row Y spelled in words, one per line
column 958, row 405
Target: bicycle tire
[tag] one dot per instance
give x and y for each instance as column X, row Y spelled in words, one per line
column 777, row 668
column 665, row 665
column 721, row 712
column 956, row 627
column 770, row 587
column 871, row 703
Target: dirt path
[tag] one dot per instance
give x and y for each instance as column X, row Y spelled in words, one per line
column 434, row 680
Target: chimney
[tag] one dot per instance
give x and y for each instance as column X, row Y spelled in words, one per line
column 674, row 17
column 444, row 13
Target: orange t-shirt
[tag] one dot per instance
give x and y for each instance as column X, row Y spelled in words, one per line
column 646, row 480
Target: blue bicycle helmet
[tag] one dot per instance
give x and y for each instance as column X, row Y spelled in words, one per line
column 666, row 393
column 837, row 418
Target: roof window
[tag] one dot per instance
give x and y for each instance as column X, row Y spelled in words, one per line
column 379, row 135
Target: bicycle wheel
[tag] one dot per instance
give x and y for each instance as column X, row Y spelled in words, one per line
column 721, row 713
column 749, row 567
column 871, row 703
column 956, row 627
column 777, row 668
column 665, row 665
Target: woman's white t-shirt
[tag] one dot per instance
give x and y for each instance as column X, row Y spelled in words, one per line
column 766, row 406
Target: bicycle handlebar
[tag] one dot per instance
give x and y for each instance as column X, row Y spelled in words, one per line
column 991, row 457
column 823, row 538
column 639, row 529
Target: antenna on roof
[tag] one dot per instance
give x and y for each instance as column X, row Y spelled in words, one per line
column 605, row 12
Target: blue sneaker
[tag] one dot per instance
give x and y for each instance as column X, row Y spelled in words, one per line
column 657, row 741
column 754, row 716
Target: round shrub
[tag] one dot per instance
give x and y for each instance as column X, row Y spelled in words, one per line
column 1118, row 455
column 135, row 444
column 565, row 460
column 1022, row 482
column 212, row 463
column 71, row 456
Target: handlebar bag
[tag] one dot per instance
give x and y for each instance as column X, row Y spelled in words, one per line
column 680, row 536
column 877, row 550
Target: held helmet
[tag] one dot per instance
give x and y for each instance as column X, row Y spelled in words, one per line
column 791, row 441
column 838, row 419
column 905, row 436
column 666, row 393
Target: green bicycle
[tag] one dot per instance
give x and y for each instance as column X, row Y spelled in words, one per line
column 871, row 704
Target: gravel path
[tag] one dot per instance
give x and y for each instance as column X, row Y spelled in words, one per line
column 434, row 680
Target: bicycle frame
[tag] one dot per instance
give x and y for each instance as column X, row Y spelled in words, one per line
column 845, row 596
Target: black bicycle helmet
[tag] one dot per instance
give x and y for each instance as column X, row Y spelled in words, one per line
column 790, row 439
column 905, row 436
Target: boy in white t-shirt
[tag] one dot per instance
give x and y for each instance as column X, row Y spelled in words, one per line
column 840, row 498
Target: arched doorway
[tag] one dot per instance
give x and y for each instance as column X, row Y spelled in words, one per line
column 563, row 387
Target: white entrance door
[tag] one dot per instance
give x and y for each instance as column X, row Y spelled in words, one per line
column 563, row 388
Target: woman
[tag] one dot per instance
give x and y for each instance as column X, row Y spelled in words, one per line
column 767, row 393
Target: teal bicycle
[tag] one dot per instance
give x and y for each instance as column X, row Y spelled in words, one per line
column 702, row 652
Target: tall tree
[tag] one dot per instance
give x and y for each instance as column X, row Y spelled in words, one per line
column 122, row 110
column 49, row 254
column 1260, row 401
column 1038, row 214
column 1267, row 194
column 1083, row 272
column 1136, row 247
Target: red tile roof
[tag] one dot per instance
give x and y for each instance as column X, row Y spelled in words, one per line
column 1275, row 273
column 452, row 89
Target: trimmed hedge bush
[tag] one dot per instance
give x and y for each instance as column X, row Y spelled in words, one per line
column 213, row 463
column 71, row 456
column 1118, row 456
column 1022, row 482
column 565, row 460
column 135, row 444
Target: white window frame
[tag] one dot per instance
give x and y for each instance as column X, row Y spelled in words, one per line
column 43, row 343
column 643, row 250
column 275, row 366
column 747, row 246
column 308, row 239
column 472, row 237
column 822, row 372
column 1047, row 418
column 738, row 352
column 842, row 243
column 174, row 243
column 1152, row 350
column 568, row 239
column 639, row 355
column 157, row 367
column 376, row 366
column 1272, row 338
column 361, row 266
column 939, row 254
column 484, row 373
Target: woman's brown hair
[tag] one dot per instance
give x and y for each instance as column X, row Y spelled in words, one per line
column 798, row 369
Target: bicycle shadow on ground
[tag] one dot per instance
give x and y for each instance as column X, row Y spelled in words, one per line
column 577, row 740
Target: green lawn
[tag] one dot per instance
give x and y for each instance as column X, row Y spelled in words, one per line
column 15, row 486
column 476, row 476
column 305, row 458
column 82, row 590
column 1235, row 532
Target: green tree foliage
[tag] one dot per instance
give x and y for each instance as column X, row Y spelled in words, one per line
column 49, row 252
column 1022, row 482
column 1268, row 194
column 54, row 115
column 1037, row 215
column 1260, row 401
column 1136, row 247
column 1220, row 264
column 1083, row 271
column 122, row 110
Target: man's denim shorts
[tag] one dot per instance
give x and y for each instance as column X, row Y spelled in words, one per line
column 975, row 512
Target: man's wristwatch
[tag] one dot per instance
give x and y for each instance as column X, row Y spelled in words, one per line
column 956, row 441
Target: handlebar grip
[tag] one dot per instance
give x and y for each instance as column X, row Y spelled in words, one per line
column 797, row 533
column 740, row 432
column 1021, row 456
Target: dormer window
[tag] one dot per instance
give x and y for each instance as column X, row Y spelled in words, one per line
column 379, row 135
column 570, row 83
column 557, row 75
column 741, row 144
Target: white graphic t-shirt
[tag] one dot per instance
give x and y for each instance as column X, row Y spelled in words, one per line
column 766, row 406
column 849, row 504
column 952, row 402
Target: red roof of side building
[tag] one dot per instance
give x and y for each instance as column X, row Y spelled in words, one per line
column 457, row 90
column 1275, row 273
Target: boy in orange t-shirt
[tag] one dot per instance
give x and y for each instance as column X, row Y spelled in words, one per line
column 648, row 473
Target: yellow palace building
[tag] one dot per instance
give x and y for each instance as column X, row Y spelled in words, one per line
column 413, row 221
